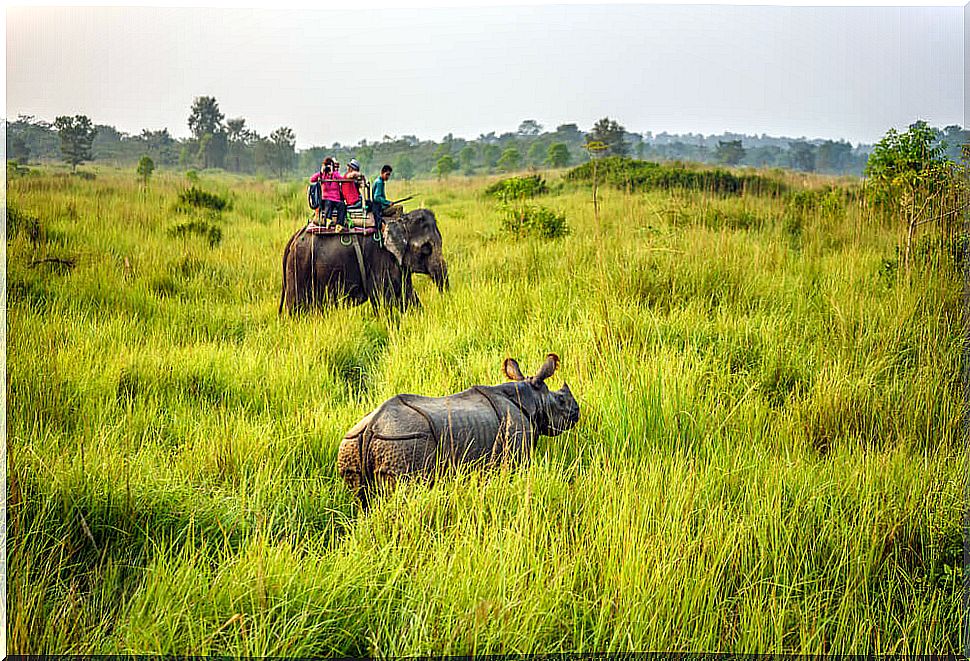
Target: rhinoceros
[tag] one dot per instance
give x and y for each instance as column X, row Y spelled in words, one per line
column 410, row 435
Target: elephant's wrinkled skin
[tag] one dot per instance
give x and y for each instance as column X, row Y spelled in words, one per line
column 319, row 270
column 486, row 425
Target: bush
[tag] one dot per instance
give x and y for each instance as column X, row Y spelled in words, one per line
column 21, row 222
column 622, row 172
column 525, row 220
column 15, row 169
column 518, row 188
column 201, row 228
column 200, row 199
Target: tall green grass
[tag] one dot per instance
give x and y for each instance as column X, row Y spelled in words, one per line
column 769, row 456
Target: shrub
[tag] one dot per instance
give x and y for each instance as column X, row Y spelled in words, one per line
column 15, row 169
column 525, row 220
column 200, row 199
column 518, row 188
column 21, row 222
column 622, row 172
column 201, row 228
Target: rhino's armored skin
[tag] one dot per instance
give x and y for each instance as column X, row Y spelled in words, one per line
column 485, row 425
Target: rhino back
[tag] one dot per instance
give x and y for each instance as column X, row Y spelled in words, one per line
column 472, row 425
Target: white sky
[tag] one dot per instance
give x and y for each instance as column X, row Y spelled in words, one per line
column 341, row 75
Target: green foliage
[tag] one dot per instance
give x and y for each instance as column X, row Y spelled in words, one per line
column 536, row 154
column 801, row 155
column 445, row 166
column 467, row 158
column 405, row 169
column 205, row 117
column 15, row 169
column 77, row 136
column 491, row 155
column 770, row 453
column 511, row 160
column 530, row 127
column 612, row 134
column 558, row 155
column 145, row 168
column 22, row 223
column 199, row 227
column 284, row 149
column 729, row 152
column 18, row 150
column 901, row 163
column 645, row 175
column 521, row 220
column 208, row 131
column 197, row 198
column 517, row 188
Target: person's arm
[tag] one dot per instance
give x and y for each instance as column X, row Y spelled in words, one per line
column 378, row 193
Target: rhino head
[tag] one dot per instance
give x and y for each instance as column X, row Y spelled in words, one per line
column 555, row 411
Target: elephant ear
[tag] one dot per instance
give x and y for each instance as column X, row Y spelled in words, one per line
column 394, row 240
column 548, row 368
column 512, row 371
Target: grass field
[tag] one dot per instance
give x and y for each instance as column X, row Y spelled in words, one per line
column 769, row 458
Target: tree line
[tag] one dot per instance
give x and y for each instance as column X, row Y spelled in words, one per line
column 229, row 144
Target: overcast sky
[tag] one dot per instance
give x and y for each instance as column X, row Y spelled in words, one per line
column 335, row 75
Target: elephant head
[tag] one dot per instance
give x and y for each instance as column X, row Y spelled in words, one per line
column 415, row 242
column 556, row 411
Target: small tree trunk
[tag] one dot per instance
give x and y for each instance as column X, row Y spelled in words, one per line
column 596, row 209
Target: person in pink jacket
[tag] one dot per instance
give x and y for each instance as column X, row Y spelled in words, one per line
column 328, row 177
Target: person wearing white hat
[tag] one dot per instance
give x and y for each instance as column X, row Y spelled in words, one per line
column 351, row 189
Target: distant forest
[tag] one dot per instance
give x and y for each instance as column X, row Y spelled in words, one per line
column 230, row 145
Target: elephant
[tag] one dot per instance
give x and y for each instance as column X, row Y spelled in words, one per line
column 322, row 269
column 409, row 435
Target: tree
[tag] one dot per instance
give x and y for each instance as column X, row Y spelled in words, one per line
column 801, row 155
column 205, row 119
column 558, row 155
column 17, row 149
column 729, row 152
column 238, row 139
column 77, row 136
column 536, row 154
column 445, row 166
column 467, row 158
column 510, row 160
column 955, row 138
column 145, row 168
column 490, row 155
column 284, row 149
column 160, row 145
column 833, row 156
column 205, row 116
column 593, row 148
column 610, row 133
column 909, row 174
column 405, row 168
column 530, row 127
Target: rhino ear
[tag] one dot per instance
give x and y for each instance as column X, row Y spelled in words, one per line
column 394, row 240
column 511, row 369
column 548, row 368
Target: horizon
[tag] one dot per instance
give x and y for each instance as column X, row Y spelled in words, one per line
column 819, row 73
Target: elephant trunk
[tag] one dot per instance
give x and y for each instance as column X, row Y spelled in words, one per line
column 439, row 273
